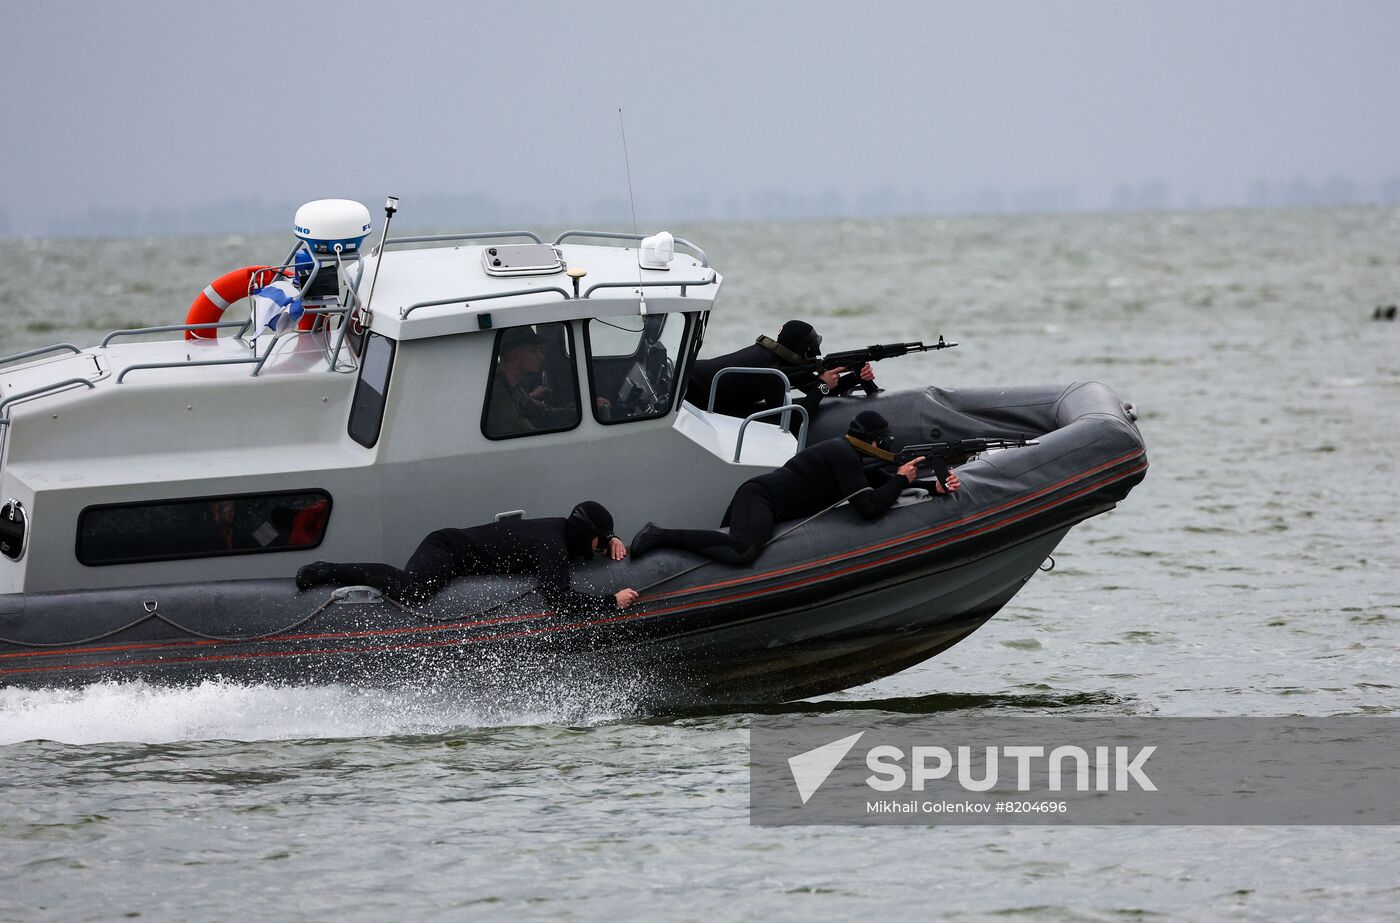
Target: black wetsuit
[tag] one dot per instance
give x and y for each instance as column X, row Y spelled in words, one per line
column 517, row 546
column 812, row 480
column 741, row 395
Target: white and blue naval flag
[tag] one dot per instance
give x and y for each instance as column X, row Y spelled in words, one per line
column 276, row 308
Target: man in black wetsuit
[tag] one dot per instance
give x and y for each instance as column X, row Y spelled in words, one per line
column 740, row 395
column 812, row 480
column 541, row 547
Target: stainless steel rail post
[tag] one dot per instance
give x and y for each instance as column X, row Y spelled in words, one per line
column 787, row 408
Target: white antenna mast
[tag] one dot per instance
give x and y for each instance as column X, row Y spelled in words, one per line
column 627, row 162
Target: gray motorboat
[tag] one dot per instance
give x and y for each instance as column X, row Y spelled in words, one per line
column 160, row 492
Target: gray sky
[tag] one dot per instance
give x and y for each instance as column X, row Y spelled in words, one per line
column 145, row 104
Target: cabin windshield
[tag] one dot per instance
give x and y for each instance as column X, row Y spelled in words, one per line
column 533, row 386
column 632, row 365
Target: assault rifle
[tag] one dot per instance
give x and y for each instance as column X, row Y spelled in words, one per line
column 853, row 359
column 941, row 455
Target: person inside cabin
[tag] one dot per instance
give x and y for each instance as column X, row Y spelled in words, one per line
column 543, row 547
column 520, row 400
column 814, row 479
column 223, row 519
column 739, row 395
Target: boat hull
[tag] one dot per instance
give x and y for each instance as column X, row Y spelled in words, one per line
column 831, row 603
column 851, row 634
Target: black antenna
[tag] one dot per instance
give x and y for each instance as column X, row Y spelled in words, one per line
column 627, row 162
column 632, row 199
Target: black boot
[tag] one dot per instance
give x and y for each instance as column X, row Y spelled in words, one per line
column 315, row 574
column 645, row 540
column 387, row 579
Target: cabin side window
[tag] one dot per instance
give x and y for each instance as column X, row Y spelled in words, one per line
column 533, row 385
column 632, row 364
column 372, row 390
column 204, row 527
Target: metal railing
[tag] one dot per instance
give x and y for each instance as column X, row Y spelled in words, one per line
column 664, row 283
column 774, row 411
column 330, row 358
column 40, row 351
column 617, row 235
column 38, row 391
column 171, row 328
column 465, row 300
column 404, row 312
column 251, row 360
column 331, row 355
column 747, row 370
column 476, row 235
column 786, row 409
column 531, row 235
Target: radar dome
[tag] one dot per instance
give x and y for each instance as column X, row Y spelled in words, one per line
column 328, row 223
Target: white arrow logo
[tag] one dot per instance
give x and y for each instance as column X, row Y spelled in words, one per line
column 810, row 769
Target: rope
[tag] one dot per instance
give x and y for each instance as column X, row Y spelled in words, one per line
column 154, row 613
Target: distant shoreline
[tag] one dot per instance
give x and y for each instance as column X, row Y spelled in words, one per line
column 433, row 217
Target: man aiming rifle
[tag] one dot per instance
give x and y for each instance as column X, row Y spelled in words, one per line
column 943, row 456
column 861, row 359
column 796, row 353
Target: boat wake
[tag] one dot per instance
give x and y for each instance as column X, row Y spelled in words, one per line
column 1085, row 703
column 219, row 709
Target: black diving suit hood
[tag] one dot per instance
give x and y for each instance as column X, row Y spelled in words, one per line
column 589, row 520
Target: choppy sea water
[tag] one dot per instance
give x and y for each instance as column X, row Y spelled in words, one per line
column 1252, row 573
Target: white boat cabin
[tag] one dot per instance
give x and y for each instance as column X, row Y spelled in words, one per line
column 448, row 380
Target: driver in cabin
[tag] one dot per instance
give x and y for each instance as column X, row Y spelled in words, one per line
column 812, row 480
column 740, row 395
column 520, row 401
column 543, row 547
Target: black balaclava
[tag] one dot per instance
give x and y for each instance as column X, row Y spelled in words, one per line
column 589, row 520
column 799, row 337
column 869, row 426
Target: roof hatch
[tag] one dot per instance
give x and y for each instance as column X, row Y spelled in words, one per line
column 522, row 260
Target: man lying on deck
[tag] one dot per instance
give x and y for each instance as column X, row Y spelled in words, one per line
column 543, row 547
column 812, row 480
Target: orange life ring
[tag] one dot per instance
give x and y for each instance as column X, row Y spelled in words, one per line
column 209, row 305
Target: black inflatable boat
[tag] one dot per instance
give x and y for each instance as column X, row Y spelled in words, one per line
column 830, row 604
